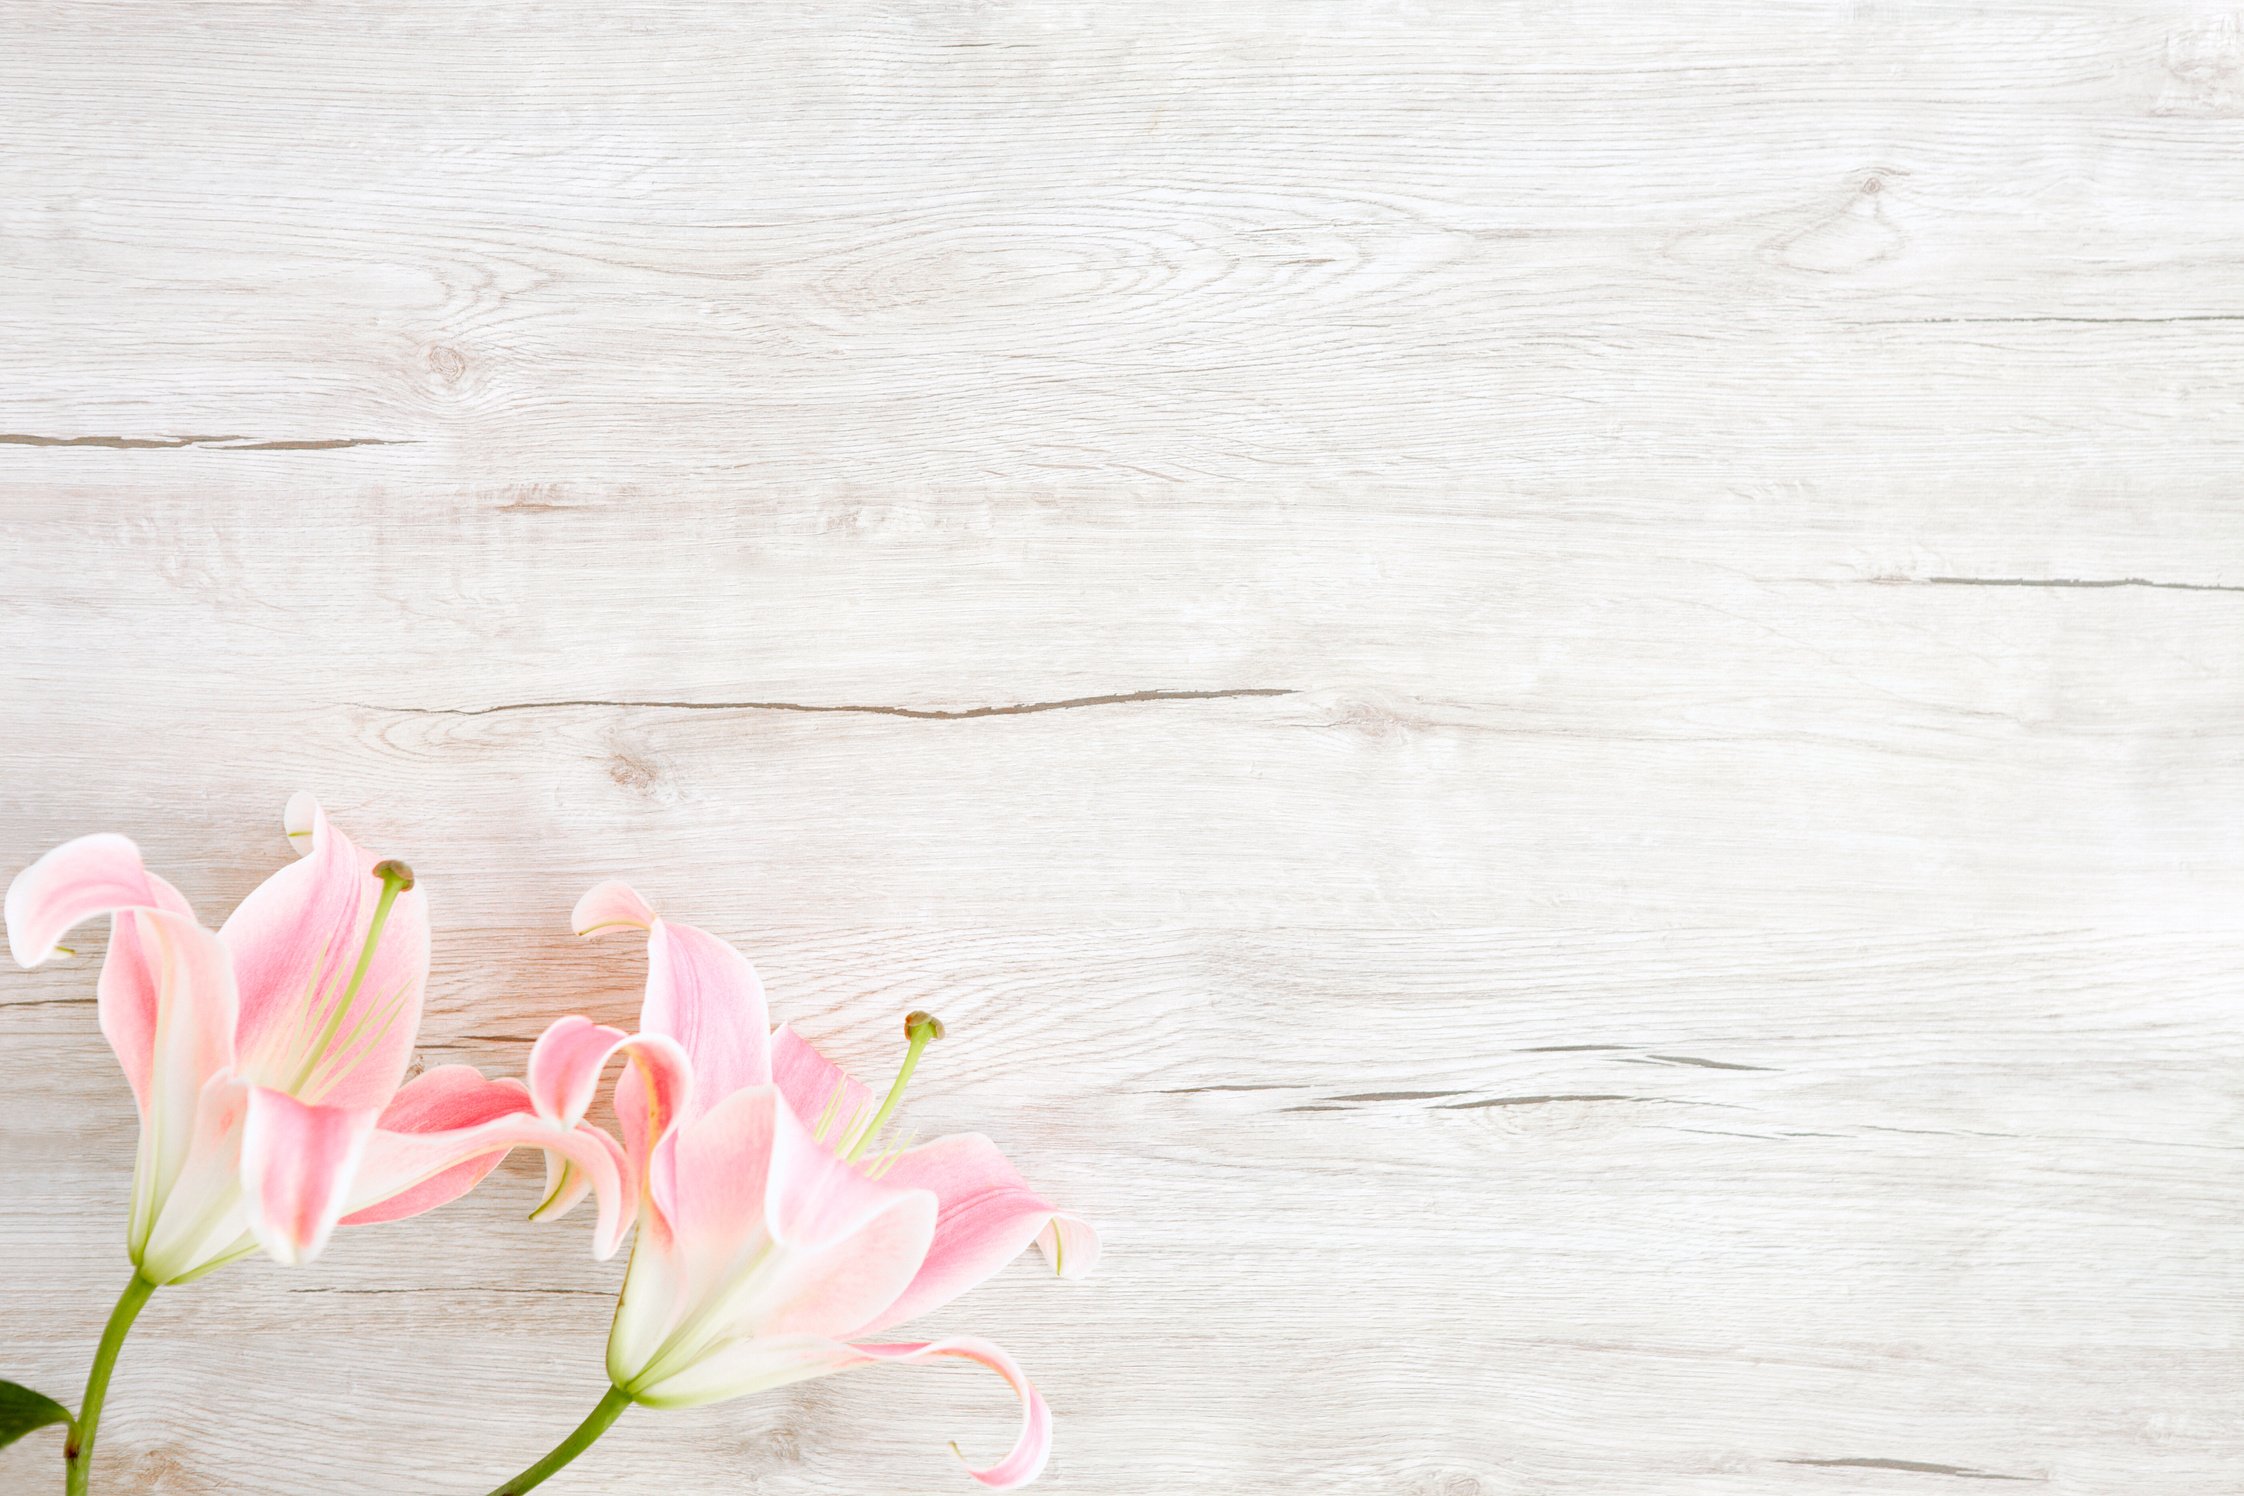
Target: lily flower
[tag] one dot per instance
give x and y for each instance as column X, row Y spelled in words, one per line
column 773, row 1236
column 267, row 1059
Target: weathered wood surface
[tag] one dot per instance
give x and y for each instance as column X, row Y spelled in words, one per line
column 1551, row 693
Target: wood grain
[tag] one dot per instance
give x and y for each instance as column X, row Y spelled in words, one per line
column 1549, row 693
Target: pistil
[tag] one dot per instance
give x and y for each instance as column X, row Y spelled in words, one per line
column 921, row 1029
column 396, row 878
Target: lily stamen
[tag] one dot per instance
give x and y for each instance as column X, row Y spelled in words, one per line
column 922, row 1029
column 827, row 1118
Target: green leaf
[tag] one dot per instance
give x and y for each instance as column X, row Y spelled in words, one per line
column 22, row 1410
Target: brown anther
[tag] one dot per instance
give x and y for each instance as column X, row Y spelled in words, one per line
column 393, row 871
column 915, row 1020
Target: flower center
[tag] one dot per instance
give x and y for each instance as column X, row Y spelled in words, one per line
column 921, row 1029
column 396, row 878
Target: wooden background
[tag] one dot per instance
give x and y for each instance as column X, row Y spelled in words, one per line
column 1550, row 691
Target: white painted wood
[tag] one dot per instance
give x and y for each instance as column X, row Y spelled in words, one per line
column 1550, row 693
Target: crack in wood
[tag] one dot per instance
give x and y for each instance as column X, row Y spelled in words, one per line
column 1473, row 1106
column 2094, row 583
column 1914, row 1467
column 930, row 714
column 214, row 443
column 1205, row 1090
column 2060, row 320
column 1685, row 1059
column 1399, row 1096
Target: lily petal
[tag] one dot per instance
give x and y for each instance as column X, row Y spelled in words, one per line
column 816, row 1087
column 73, row 883
column 448, row 1098
column 1070, row 1244
column 704, row 994
column 451, row 1127
column 298, row 1161
column 296, row 942
column 194, row 1220
column 611, row 906
column 987, row 1215
column 754, row 1365
column 1032, row 1447
column 565, row 1068
column 567, row 1060
column 769, row 1235
column 700, row 992
column 167, row 985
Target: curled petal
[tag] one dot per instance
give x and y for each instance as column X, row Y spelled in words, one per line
column 298, row 1162
column 753, row 1365
column 73, row 883
column 296, row 942
column 1032, row 1447
column 987, row 1215
column 566, row 1184
column 451, row 1127
column 611, row 906
column 565, row 1066
column 566, row 1062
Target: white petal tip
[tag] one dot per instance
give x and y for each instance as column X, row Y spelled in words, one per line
column 300, row 819
column 610, row 906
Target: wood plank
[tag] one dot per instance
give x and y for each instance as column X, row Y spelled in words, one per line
column 1692, row 1211
column 1549, row 693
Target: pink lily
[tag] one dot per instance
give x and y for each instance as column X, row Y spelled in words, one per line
column 266, row 1061
column 769, row 1243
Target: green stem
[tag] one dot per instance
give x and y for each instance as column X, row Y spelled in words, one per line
column 610, row 1409
column 77, row 1450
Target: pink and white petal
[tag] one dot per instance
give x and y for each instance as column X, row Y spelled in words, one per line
column 449, row 1098
column 854, row 1246
column 566, row 1184
column 814, row 1084
column 170, row 974
column 186, row 1222
column 652, row 1094
column 775, row 1290
column 611, row 906
column 1070, row 1244
column 456, row 1130
column 298, row 1162
column 719, row 1268
column 565, row 1066
column 812, row 1197
column 719, row 1167
column 988, row 1214
column 296, row 941
column 754, row 1364
column 1032, row 1447
column 704, row 994
column 73, row 883
column 742, row 1365
column 654, row 1301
